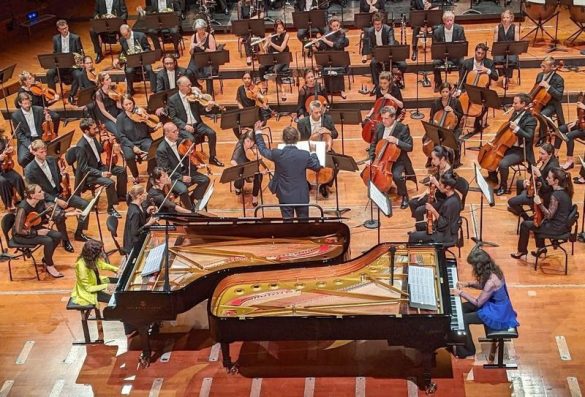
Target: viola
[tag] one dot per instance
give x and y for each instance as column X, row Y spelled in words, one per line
column 196, row 158
column 431, row 200
column 139, row 115
column 8, row 163
column 116, row 92
column 492, row 152
column 33, row 219
column 65, row 183
column 325, row 174
column 39, row 89
column 110, row 147
column 204, row 99
column 370, row 125
column 380, row 170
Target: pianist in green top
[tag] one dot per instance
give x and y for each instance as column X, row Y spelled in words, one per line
column 90, row 286
column 492, row 307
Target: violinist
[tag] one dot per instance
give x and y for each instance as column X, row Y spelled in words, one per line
column 108, row 102
column 523, row 124
column 556, row 214
column 388, row 90
column 250, row 95
column 135, row 136
column 448, row 32
column 65, row 42
column 395, row 132
column 186, row 115
column 240, row 156
column 273, row 44
column 103, row 9
column 11, row 182
column 380, row 35
column 28, row 214
column 554, row 84
column 137, row 217
column 89, row 162
column 446, row 216
column 158, row 195
column 135, row 43
column 311, row 88
column 86, row 78
column 546, row 162
column 29, row 119
column 167, row 77
column 202, row 41
column 181, row 168
column 45, row 172
column 507, row 31
column 573, row 130
column 41, row 96
column 448, row 103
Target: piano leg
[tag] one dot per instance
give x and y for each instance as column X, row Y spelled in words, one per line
column 428, row 361
column 228, row 364
column 144, row 360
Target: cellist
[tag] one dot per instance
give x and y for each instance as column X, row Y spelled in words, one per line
column 394, row 132
column 523, row 124
column 388, row 90
column 554, row 84
column 573, row 130
column 448, row 103
column 311, row 88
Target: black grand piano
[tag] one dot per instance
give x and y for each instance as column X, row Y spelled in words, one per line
column 177, row 265
column 397, row 292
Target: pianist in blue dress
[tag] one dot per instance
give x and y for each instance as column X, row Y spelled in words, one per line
column 492, row 307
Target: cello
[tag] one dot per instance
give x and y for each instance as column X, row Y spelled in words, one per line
column 370, row 125
column 492, row 152
column 530, row 192
column 476, row 79
column 442, row 119
column 380, row 170
column 325, row 174
column 539, row 95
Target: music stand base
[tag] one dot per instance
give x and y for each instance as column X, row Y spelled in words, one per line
column 338, row 213
column 425, row 80
column 417, row 115
column 371, row 224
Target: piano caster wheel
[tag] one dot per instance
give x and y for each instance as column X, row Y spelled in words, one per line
column 234, row 369
column 431, row 388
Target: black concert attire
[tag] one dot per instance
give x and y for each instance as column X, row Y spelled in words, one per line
column 554, row 106
column 516, row 204
column 417, row 205
column 130, row 134
column 72, row 45
column 39, row 100
column 521, row 151
column 305, row 93
column 439, row 36
column 365, row 7
column 508, row 35
column 136, row 40
column 373, row 39
column 395, row 92
column 156, row 6
column 22, row 236
column 28, row 128
column 467, row 67
column 168, row 157
column 336, row 83
column 575, row 132
column 239, row 156
column 48, row 177
column 556, row 220
column 89, row 162
column 111, row 107
column 245, row 12
column 167, row 80
column 82, row 82
column 455, row 104
column 103, row 7
column 403, row 164
column 206, row 71
column 136, row 218
column 446, row 227
column 156, row 197
column 246, row 102
column 10, row 181
column 307, row 5
column 279, row 69
column 417, row 5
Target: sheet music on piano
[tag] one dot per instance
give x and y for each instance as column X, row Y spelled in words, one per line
column 154, row 260
column 421, row 287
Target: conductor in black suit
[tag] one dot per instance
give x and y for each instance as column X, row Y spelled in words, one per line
column 167, row 77
column 104, row 7
column 290, row 178
column 555, row 85
column 28, row 120
column 448, row 32
column 186, row 115
column 64, row 42
column 395, row 132
column 134, row 43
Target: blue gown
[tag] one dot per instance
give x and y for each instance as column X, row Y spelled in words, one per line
column 497, row 313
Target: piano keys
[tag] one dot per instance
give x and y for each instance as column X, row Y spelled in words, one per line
column 355, row 300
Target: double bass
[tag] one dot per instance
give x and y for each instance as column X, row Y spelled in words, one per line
column 492, row 152
column 380, row 170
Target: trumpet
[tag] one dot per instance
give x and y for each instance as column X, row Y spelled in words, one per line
column 258, row 40
column 310, row 43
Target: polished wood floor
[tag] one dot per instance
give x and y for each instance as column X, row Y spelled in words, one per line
column 548, row 302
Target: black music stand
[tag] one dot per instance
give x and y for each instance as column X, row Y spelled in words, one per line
column 340, row 162
column 249, row 27
column 107, row 25
column 5, row 75
column 505, row 49
column 424, row 19
column 58, row 61
column 446, row 51
column 160, row 20
column 212, row 59
column 139, row 61
column 239, row 118
column 241, row 171
column 484, row 97
column 59, row 145
column 309, row 20
column 85, row 96
column 273, row 60
column 330, row 60
column 345, row 116
column 363, row 20
column 159, row 99
column 391, row 54
column 440, row 136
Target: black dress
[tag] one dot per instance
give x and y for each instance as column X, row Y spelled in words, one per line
column 306, row 92
column 446, row 227
column 111, row 108
column 206, row 71
column 246, row 102
column 512, row 59
column 280, row 69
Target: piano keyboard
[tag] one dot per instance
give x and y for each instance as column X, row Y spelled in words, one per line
column 456, row 310
column 421, row 287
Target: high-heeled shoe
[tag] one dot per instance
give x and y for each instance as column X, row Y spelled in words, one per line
column 518, row 255
column 539, row 252
column 342, row 95
column 568, row 167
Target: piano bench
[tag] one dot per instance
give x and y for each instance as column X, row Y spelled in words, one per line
column 85, row 311
column 498, row 339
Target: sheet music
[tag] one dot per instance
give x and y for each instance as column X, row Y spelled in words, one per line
column 320, row 149
column 91, row 204
column 381, row 200
column 421, row 285
column 205, row 199
column 483, row 185
column 579, row 3
column 153, row 261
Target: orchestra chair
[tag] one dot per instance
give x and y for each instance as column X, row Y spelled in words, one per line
column 112, row 225
column 71, row 159
column 557, row 241
column 166, row 37
column 500, row 66
column 517, row 170
column 458, row 242
column 85, row 311
column 24, row 251
column 498, row 338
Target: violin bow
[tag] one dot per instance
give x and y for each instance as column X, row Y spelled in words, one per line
column 167, row 196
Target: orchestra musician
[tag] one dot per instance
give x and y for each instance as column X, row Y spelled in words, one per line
column 289, row 182
column 395, row 132
column 86, row 78
column 135, row 43
column 492, row 307
column 580, row 180
column 159, row 197
column 546, row 161
column 187, row 116
column 240, row 156
column 34, row 201
column 573, row 130
column 202, row 41
column 182, row 171
column 246, row 11
column 307, row 5
column 137, row 217
column 29, row 119
column 317, row 124
column 387, row 89
column 167, row 77
column 108, row 102
column 275, row 43
column 27, row 81
column 556, row 214
column 311, row 87
column 448, row 103
column 523, row 124
column 380, row 34
column 103, row 9
column 11, row 182
column 554, row 83
column 418, row 5
column 507, row 31
column 448, row 32
column 134, row 136
column 162, row 6
column 249, row 95
column 446, row 217
column 65, row 42
column 89, row 162
column 45, row 172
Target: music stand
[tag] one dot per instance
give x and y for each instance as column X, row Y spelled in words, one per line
column 486, row 191
column 92, row 205
column 159, row 99
column 213, row 59
column 391, row 54
column 307, row 20
column 273, row 60
column 345, row 116
column 58, row 61
column 484, row 97
column 139, row 61
column 383, row 204
column 160, row 20
column 5, row 75
column 239, row 118
column 552, row 129
column 423, row 19
column 446, row 51
column 505, row 49
column 340, row 162
column 440, row 136
column 249, row 27
column 582, row 234
column 363, row 20
column 85, row 96
column 330, row 60
column 241, row 171
column 59, row 145
column 107, row 25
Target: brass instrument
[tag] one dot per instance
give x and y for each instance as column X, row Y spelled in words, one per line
column 134, row 49
column 313, row 42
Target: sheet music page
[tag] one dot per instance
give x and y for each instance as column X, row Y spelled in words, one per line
column 483, row 185
column 320, row 149
column 205, row 199
column 580, row 3
column 381, row 200
column 536, row 1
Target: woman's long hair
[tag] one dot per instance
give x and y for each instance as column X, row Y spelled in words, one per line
column 483, row 266
column 90, row 253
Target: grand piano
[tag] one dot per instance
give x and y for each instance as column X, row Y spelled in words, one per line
column 397, row 292
column 177, row 265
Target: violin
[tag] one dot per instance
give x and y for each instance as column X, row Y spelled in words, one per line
column 431, row 200
column 253, row 93
column 325, row 174
column 204, row 99
column 540, row 95
column 65, row 183
column 492, row 152
column 33, row 219
column 140, row 115
column 8, row 163
column 196, row 158
column 380, row 170
column 116, row 92
column 48, row 128
column 110, row 147
column 39, row 90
